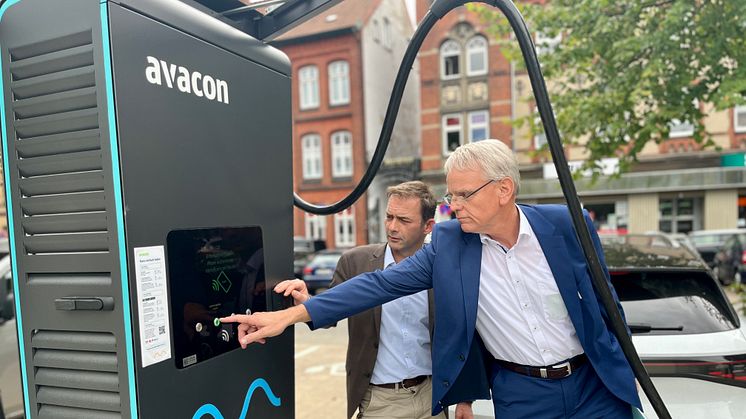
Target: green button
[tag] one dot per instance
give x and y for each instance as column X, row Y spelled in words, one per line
column 216, row 322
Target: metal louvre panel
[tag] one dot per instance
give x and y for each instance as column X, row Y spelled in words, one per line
column 59, row 146
column 59, row 412
column 76, row 373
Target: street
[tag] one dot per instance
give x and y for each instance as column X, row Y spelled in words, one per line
column 320, row 372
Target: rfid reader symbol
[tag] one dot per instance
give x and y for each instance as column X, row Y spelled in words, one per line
column 221, row 283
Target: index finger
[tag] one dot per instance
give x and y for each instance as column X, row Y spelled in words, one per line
column 236, row 318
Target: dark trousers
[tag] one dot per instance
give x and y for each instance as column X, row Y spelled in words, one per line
column 582, row 395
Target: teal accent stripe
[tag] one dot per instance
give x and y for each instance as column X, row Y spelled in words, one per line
column 117, row 179
column 11, row 230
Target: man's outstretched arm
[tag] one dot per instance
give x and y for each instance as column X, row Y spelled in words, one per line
column 260, row 326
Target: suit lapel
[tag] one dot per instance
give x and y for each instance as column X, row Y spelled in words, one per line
column 470, row 262
column 555, row 251
column 376, row 263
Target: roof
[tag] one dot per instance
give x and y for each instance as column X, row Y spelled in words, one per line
column 650, row 254
column 348, row 14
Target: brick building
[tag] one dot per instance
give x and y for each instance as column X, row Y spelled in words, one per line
column 469, row 91
column 343, row 73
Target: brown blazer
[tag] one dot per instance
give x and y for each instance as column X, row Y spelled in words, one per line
column 364, row 329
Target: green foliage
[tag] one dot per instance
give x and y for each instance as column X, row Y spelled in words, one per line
column 624, row 69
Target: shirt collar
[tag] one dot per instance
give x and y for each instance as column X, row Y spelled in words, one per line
column 388, row 258
column 524, row 230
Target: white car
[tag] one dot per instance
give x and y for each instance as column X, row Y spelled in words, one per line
column 685, row 330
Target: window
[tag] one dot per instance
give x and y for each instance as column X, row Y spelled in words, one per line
column 479, row 125
column 739, row 118
column 308, row 77
column 540, row 138
column 339, row 83
column 680, row 129
column 376, row 31
column 546, row 44
column 386, row 35
column 341, row 154
column 451, row 132
column 680, row 215
column 344, row 228
column 449, row 60
column 315, row 227
column 676, row 303
column 476, row 56
column 311, row 155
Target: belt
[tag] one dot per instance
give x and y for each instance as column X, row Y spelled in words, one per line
column 561, row 370
column 405, row 384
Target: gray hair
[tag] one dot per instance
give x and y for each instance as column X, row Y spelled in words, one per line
column 491, row 157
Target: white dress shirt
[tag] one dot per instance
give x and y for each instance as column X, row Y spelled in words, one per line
column 404, row 341
column 521, row 316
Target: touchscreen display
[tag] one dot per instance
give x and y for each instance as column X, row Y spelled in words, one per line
column 213, row 272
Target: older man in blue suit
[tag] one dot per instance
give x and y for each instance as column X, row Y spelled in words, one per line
column 516, row 312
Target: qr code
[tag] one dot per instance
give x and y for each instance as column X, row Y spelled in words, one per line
column 161, row 330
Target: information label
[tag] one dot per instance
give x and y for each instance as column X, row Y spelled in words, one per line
column 152, row 302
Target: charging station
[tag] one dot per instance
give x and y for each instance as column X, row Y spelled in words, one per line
column 148, row 176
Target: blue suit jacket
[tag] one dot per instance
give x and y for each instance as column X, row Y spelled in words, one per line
column 450, row 265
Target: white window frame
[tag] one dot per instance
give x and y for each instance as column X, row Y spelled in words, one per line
column 308, row 87
column 341, row 154
column 739, row 109
column 376, row 31
column 476, row 45
column 677, row 125
column 386, row 33
column 541, row 138
column 315, row 227
column 473, row 125
column 446, row 130
column 344, row 228
column 339, row 82
column 311, row 157
column 450, row 48
column 546, row 44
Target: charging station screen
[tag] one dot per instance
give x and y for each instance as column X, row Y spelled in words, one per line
column 213, row 272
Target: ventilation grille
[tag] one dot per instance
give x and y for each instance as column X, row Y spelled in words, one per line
column 58, row 146
column 76, row 375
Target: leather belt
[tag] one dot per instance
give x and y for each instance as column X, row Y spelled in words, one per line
column 405, row 384
column 561, row 370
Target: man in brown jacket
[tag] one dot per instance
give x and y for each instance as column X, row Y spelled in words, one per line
column 389, row 364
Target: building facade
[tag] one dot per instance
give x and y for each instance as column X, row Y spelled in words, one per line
column 676, row 187
column 343, row 73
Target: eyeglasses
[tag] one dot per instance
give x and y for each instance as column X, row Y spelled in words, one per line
column 462, row 197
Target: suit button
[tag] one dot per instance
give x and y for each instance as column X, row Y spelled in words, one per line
column 375, row 345
column 461, row 357
column 367, row 375
column 446, row 383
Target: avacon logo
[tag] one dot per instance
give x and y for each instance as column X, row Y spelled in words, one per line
column 193, row 82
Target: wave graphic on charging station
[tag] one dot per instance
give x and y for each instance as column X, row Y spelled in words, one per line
column 210, row 409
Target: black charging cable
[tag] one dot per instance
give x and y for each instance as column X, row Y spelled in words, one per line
column 439, row 9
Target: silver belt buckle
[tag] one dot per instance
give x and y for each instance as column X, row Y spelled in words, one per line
column 565, row 364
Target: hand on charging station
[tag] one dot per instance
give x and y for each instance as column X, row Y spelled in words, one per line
column 294, row 287
column 258, row 327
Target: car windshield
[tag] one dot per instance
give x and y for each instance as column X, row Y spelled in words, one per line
column 666, row 303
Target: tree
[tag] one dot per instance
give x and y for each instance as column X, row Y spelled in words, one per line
column 624, row 69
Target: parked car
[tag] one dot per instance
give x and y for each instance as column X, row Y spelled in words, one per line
column 708, row 242
column 318, row 273
column 730, row 259
column 685, row 330
column 303, row 250
column 11, row 398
